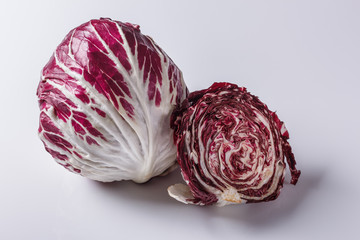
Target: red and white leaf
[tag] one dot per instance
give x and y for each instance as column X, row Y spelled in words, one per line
column 105, row 97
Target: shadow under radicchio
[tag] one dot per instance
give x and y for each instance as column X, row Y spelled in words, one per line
column 268, row 214
column 254, row 215
column 153, row 191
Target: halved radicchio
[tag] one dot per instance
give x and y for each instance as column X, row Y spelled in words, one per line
column 106, row 96
column 231, row 148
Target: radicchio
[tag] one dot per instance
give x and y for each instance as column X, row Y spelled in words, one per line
column 230, row 148
column 105, row 97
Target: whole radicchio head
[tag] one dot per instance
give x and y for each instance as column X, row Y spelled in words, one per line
column 106, row 96
column 231, row 148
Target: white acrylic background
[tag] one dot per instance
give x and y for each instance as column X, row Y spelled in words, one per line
column 301, row 57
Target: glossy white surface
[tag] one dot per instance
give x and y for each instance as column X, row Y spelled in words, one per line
column 300, row 57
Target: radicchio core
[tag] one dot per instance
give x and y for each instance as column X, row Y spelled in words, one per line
column 230, row 147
